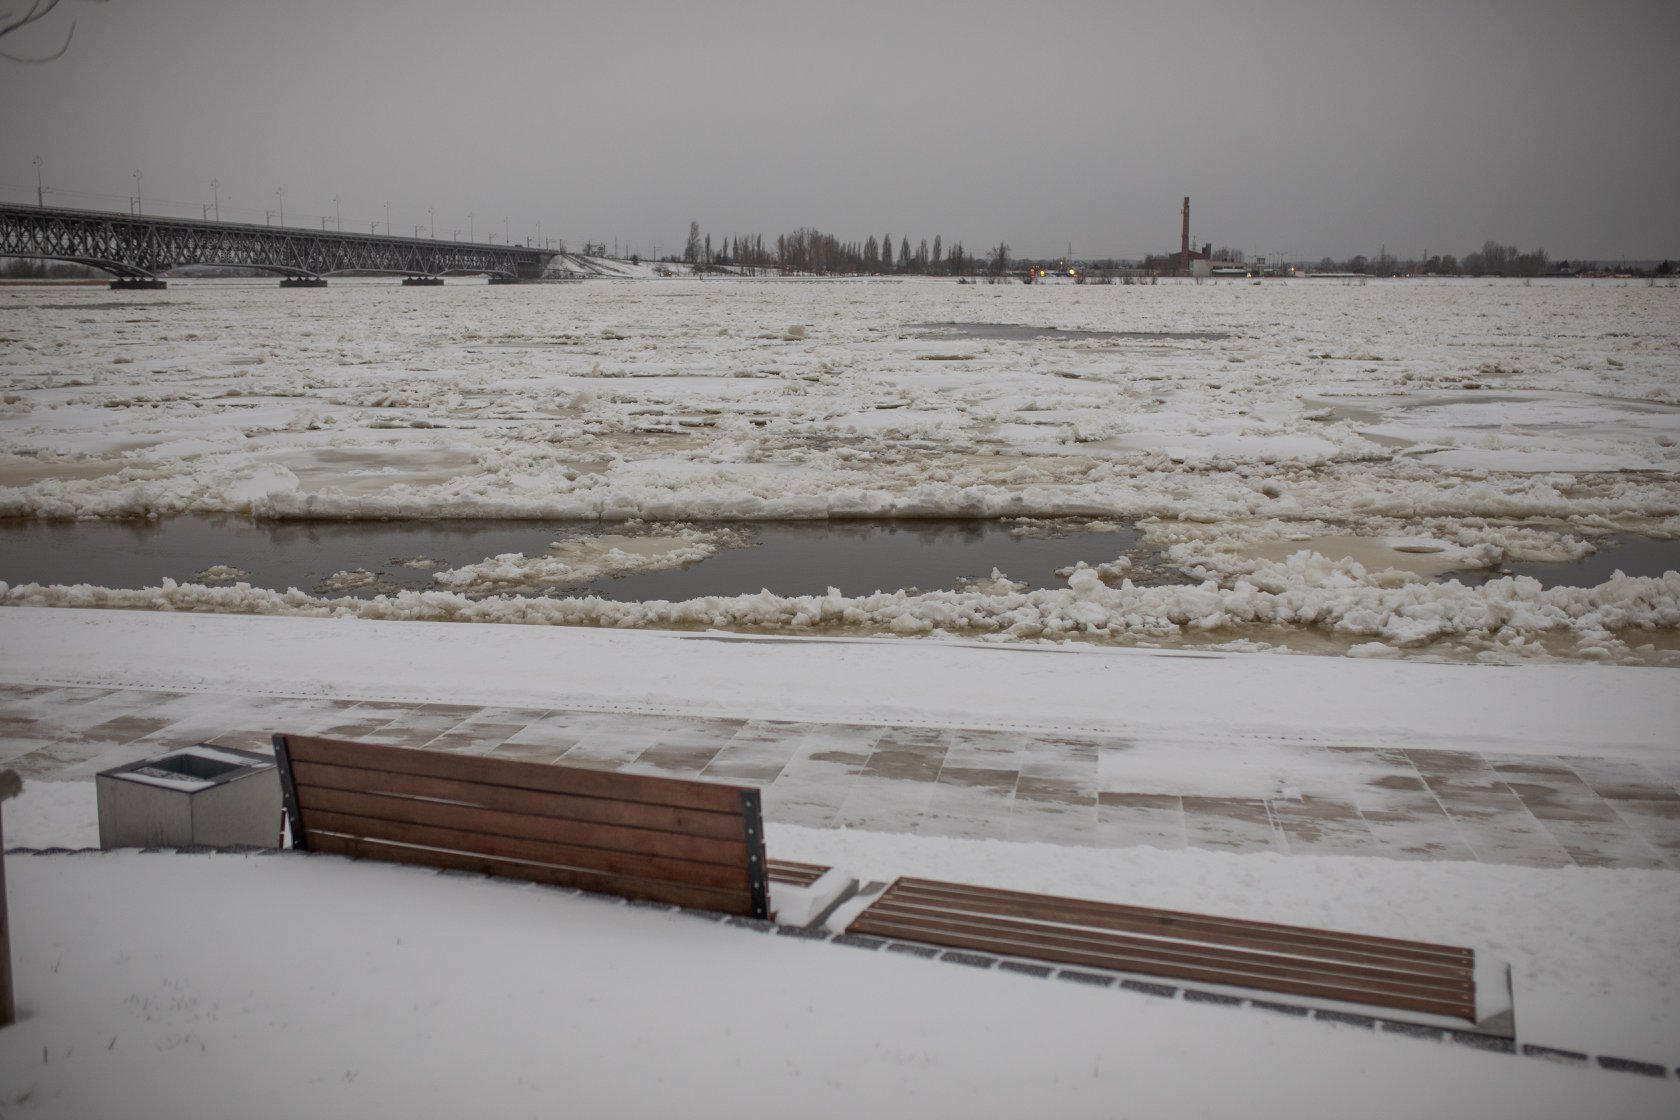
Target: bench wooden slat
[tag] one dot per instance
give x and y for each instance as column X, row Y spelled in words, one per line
column 794, row 873
column 559, row 830
column 633, row 864
column 679, row 894
column 667, row 839
column 1175, row 923
column 517, row 774
column 1236, row 933
column 598, row 810
column 1127, row 950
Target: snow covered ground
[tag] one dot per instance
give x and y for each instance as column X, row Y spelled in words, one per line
column 176, row 987
column 1313, row 455
column 1450, row 424
column 340, row 988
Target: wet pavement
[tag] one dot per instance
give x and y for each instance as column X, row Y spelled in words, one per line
column 1088, row 790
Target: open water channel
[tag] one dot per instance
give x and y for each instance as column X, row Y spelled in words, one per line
column 788, row 558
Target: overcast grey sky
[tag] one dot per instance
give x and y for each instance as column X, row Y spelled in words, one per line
column 1303, row 127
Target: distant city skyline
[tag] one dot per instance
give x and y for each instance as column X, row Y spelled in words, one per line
column 1300, row 129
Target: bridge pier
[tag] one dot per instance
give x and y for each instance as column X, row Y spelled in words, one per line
column 422, row 281
column 138, row 284
column 303, row 281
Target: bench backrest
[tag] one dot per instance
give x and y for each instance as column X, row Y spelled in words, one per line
column 695, row 844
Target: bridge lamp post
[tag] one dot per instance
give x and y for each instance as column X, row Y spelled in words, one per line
column 506, row 236
column 472, row 235
column 433, row 216
column 216, row 191
column 138, row 208
column 338, row 218
column 387, row 219
column 40, row 191
column 280, row 192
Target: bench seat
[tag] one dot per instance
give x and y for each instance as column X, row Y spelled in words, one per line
column 1379, row 972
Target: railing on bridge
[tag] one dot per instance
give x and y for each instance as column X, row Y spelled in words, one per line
column 138, row 248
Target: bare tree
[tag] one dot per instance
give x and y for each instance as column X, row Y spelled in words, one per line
column 691, row 251
column 1000, row 259
column 12, row 20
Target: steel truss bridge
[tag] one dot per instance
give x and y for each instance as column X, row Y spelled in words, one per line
column 136, row 249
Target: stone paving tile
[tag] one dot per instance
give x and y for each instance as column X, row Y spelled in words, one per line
column 1622, row 780
column 909, row 754
column 88, row 710
column 809, row 803
column 969, row 802
column 555, row 731
column 69, row 759
column 884, row 804
column 605, row 747
column 1594, row 844
column 15, row 747
column 474, row 737
column 1229, row 824
column 1154, row 820
column 1456, row 773
column 1553, row 792
column 418, row 726
column 1073, row 823
column 983, row 750
column 679, row 759
column 1657, row 822
column 751, row 758
column 1323, row 826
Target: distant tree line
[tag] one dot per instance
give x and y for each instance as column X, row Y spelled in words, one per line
column 1492, row 259
column 809, row 250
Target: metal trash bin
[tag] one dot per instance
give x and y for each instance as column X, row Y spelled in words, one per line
column 198, row 795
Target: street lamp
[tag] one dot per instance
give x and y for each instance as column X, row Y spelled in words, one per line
column 387, row 219
column 138, row 209
column 506, row 236
column 338, row 218
column 216, row 189
column 471, row 234
column 433, row 216
column 281, row 192
column 40, row 191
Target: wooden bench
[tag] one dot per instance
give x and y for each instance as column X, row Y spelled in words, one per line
column 695, row 844
column 1375, row 971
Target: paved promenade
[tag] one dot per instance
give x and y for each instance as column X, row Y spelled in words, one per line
column 1103, row 791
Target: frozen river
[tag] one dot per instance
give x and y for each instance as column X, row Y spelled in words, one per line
column 1308, row 458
